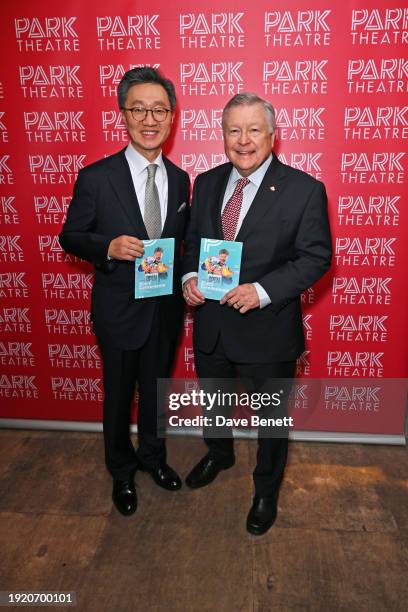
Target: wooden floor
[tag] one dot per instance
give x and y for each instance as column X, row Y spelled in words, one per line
column 340, row 542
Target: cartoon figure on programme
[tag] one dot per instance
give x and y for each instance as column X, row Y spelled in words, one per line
column 154, row 265
column 218, row 267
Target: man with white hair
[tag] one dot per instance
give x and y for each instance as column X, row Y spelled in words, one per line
column 255, row 331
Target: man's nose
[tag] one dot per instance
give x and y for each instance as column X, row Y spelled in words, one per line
column 149, row 119
column 243, row 137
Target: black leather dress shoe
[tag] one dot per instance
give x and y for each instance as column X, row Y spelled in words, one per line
column 262, row 515
column 206, row 470
column 164, row 476
column 124, row 496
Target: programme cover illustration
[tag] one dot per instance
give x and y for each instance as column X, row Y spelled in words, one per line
column 154, row 271
column 219, row 267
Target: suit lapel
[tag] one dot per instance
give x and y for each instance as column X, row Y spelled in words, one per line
column 122, row 183
column 172, row 199
column 266, row 196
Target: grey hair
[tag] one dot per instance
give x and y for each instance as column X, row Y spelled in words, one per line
column 144, row 74
column 247, row 99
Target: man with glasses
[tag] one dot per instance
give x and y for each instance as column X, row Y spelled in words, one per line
column 134, row 195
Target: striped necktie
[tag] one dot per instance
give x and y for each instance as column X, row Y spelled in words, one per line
column 152, row 213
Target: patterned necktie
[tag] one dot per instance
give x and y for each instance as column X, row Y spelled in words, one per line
column 152, row 214
column 232, row 210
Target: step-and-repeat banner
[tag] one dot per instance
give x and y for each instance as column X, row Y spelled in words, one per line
column 337, row 74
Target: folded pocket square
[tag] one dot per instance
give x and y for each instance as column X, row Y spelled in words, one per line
column 182, row 207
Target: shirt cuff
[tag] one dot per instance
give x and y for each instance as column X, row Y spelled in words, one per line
column 187, row 276
column 264, row 299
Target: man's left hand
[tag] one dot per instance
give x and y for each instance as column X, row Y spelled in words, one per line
column 242, row 298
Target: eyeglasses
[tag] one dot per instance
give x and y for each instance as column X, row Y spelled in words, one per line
column 139, row 113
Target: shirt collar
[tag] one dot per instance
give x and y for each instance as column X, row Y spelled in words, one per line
column 139, row 162
column 256, row 177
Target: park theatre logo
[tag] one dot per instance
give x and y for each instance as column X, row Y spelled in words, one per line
column 211, row 78
column 57, row 126
column 134, row 32
column 201, row 125
column 71, row 286
column 55, row 169
column 51, row 209
column 381, row 167
column 358, row 328
column 373, row 76
column 74, row 356
column 57, row 81
column 379, row 123
column 374, row 210
column 299, row 124
column 297, row 28
column 373, row 251
column 374, row 27
column 363, row 291
column 13, row 285
column 14, row 319
column 68, row 322
column 19, row 386
column 82, row 389
column 212, row 31
column 46, row 34
column 294, row 77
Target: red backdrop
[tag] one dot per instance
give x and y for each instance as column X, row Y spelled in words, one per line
column 337, row 74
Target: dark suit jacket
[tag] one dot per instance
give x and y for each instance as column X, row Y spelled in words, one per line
column 104, row 206
column 286, row 248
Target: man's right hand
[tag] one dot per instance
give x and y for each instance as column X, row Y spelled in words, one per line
column 126, row 247
column 192, row 295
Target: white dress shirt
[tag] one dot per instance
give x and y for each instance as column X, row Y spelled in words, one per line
column 138, row 164
column 249, row 193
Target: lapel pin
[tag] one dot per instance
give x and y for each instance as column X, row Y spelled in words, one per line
column 272, row 188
